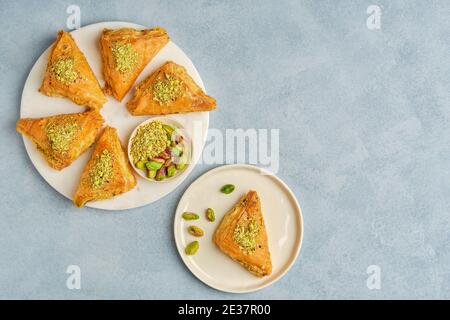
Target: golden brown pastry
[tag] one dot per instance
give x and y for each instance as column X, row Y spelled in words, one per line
column 62, row 138
column 69, row 75
column 242, row 235
column 169, row 90
column 125, row 53
column 107, row 174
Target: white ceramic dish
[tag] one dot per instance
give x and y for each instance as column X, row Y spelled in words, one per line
column 35, row 104
column 187, row 142
column 282, row 216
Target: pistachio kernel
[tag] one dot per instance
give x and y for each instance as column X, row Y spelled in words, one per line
column 190, row 216
column 192, row 248
column 196, row 231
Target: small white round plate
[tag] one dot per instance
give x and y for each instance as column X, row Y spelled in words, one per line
column 34, row 104
column 282, row 216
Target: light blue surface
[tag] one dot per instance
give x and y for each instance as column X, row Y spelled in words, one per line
column 365, row 145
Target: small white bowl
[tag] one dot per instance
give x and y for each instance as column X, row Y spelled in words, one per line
column 178, row 127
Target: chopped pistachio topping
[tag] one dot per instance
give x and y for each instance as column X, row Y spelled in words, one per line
column 64, row 69
column 150, row 140
column 245, row 235
column 61, row 135
column 125, row 57
column 102, row 170
column 167, row 89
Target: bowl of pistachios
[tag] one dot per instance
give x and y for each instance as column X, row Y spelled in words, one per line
column 159, row 149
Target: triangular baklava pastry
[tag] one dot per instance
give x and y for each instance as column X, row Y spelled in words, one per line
column 62, row 138
column 69, row 75
column 168, row 90
column 125, row 53
column 242, row 236
column 108, row 172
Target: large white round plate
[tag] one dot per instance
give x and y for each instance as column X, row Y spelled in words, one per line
column 282, row 216
column 35, row 104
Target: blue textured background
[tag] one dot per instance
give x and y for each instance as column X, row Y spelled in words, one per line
column 365, row 146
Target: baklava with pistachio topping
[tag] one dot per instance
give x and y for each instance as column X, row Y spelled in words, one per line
column 125, row 53
column 169, row 90
column 62, row 138
column 107, row 174
column 69, row 75
column 242, row 235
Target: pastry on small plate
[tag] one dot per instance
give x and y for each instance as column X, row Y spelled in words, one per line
column 125, row 53
column 168, row 90
column 242, row 235
column 107, row 174
column 69, row 75
column 62, row 138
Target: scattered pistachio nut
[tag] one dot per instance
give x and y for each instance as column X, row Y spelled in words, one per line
column 192, row 248
column 196, row 231
column 227, row 189
column 190, row 216
column 210, row 214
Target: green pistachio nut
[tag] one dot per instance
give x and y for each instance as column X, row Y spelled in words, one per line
column 190, row 216
column 171, row 170
column 192, row 248
column 227, row 189
column 196, row 231
column 160, row 174
column 153, row 165
column 175, row 151
column 210, row 214
column 169, row 129
column 140, row 164
column 151, row 174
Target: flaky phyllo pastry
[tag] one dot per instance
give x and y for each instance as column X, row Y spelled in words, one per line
column 242, row 235
column 108, row 172
column 62, row 138
column 168, row 90
column 69, row 75
column 125, row 53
